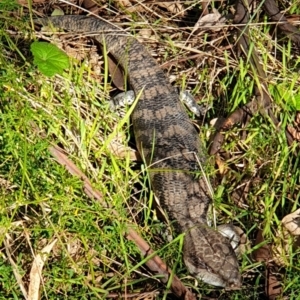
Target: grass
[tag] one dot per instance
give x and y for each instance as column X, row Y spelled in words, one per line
column 40, row 201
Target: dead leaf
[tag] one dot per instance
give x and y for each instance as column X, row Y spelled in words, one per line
column 36, row 271
column 130, row 7
column 116, row 74
column 287, row 238
column 174, row 7
column 264, row 254
column 273, row 284
column 213, row 21
column 91, row 6
column 222, row 167
column 295, row 129
column 292, row 222
column 145, row 33
column 122, row 151
column 125, row 3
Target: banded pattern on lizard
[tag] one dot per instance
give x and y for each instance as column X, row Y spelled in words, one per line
column 171, row 148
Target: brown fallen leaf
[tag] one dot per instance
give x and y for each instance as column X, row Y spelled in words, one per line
column 91, row 6
column 116, row 73
column 264, row 254
column 222, row 167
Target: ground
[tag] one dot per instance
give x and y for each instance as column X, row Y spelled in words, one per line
column 255, row 175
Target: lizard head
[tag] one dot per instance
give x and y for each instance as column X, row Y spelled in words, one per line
column 209, row 257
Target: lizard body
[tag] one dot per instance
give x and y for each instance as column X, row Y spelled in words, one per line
column 171, row 148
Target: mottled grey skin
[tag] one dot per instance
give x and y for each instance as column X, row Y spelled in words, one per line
column 170, row 145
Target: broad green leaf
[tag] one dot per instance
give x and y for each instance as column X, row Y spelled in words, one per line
column 48, row 58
